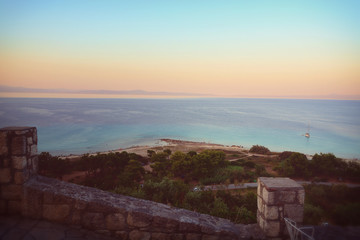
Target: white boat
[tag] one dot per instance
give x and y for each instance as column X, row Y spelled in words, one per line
column 307, row 135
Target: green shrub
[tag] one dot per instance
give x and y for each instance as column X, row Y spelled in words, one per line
column 312, row 214
column 259, row 149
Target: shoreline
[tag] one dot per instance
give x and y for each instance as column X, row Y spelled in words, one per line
column 184, row 146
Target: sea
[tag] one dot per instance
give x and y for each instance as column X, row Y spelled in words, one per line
column 78, row 126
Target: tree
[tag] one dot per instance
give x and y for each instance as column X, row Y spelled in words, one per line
column 295, row 166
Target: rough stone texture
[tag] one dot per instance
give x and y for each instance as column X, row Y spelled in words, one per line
column 5, row 175
column 278, row 198
column 19, row 162
column 115, row 221
column 18, row 145
column 139, row 235
column 56, row 213
column 3, row 143
column 11, row 192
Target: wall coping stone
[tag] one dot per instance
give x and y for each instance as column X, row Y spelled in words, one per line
column 278, row 184
column 16, row 128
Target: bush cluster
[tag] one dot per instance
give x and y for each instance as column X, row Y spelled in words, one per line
column 259, row 149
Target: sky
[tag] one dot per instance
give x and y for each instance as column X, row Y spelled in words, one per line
column 289, row 49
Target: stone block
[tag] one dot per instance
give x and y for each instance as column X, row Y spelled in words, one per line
column 5, row 175
column 19, row 162
column 19, row 177
column 6, row 162
column 272, row 228
column 30, row 141
column 271, row 212
column 210, row 237
column 94, row 221
column 193, row 236
column 76, row 217
column 260, row 204
column 35, row 164
column 269, row 197
column 12, row 192
column 139, row 235
column 56, row 212
column 3, row 144
column 14, row 207
column 121, row 235
column 177, row 236
column 33, row 201
column 286, row 196
column 165, row 224
column 139, row 219
column 18, row 145
column 301, row 197
column 160, row 236
column 3, row 206
column 294, row 212
column 115, row 221
column 33, row 150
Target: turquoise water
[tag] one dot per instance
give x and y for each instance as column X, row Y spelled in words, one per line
column 89, row 125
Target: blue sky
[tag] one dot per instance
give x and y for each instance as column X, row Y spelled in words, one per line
column 183, row 46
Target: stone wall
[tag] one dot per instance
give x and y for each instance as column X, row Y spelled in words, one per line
column 278, row 198
column 18, row 162
column 116, row 215
column 23, row 192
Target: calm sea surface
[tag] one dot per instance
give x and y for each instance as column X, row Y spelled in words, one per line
column 89, row 125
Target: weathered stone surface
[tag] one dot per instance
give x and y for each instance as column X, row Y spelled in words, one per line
column 3, row 206
column 56, row 212
column 278, row 184
column 271, row 212
column 160, row 236
column 11, row 192
column 33, row 201
column 14, row 207
column 5, row 175
column 210, row 237
column 30, row 141
column 139, row 219
column 286, row 196
column 33, row 150
column 122, row 235
column 301, row 196
column 115, row 221
column 294, row 212
column 19, row 177
column 177, row 236
column 18, row 145
column 268, row 197
column 19, row 162
column 193, row 236
column 3, row 143
column 272, row 228
column 93, row 220
column 138, row 235
column 6, row 162
column 168, row 225
column 188, row 224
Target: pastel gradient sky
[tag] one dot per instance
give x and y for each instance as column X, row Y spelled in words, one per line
column 299, row 49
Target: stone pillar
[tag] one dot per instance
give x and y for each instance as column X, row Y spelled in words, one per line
column 18, row 162
column 278, row 198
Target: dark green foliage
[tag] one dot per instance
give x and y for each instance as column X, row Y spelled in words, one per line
column 321, row 167
column 312, row 214
column 295, row 166
column 285, row 155
column 337, row 204
column 259, row 149
column 52, row 166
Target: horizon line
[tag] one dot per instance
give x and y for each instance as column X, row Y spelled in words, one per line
column 13, row 92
